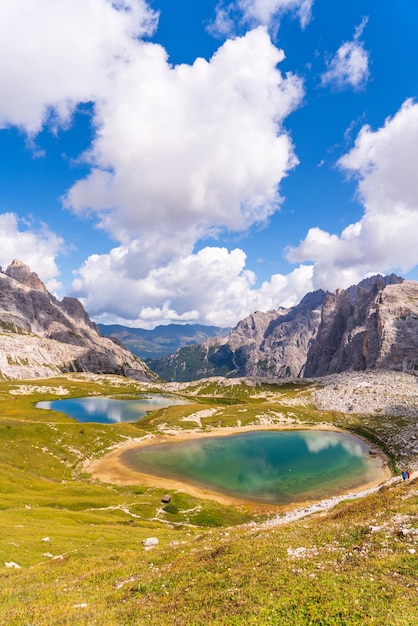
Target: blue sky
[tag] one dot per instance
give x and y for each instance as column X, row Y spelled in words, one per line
column 182, row 161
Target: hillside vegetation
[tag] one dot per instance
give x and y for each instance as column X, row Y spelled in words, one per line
column 71, row 548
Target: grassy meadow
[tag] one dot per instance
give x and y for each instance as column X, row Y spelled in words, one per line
column 71, row 548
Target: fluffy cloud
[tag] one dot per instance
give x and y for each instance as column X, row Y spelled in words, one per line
column 263, row 11
column 254, row 12
column 384, row 240
column 182, row 152
column 179, row 152
column 38, row 247
column 211, row 286
column 197, row 147
column 350, row 65
column 58, row 53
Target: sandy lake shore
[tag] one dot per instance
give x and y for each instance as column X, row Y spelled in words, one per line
column 111, row 468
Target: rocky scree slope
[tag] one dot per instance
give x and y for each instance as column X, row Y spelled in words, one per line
column 372, row 325
column 41, row 336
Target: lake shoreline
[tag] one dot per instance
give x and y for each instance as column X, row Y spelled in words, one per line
column 111, row 468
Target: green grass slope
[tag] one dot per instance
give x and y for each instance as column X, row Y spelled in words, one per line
column 71, row 548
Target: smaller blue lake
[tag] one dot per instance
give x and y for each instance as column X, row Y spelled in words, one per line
column 106, row 410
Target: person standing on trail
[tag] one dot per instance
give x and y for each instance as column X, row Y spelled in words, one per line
column 404, row 475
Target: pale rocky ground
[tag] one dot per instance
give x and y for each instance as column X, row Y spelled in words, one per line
column 384, row 392
column 386, row 400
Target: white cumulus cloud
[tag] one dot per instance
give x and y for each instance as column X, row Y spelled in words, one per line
column 58, row 53
column 196, row 147
column 263, row 11
column 384, row 240
column 36, row 246
column 211, row 286
column 350, row 65
column 255, row 12
column 178, row 153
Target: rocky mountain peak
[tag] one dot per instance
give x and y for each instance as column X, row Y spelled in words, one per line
column 312, row 300
column 369, row 326
column 41, row 336
column 22, row 273
column 376, row 282
column 270, row 344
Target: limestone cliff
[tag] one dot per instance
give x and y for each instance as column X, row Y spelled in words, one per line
column 369, row 326
column 41, row 336
column 377, row 329
column 268, row 345
column 275, row 344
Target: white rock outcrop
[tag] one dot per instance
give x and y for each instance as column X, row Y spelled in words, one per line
column 41, row 336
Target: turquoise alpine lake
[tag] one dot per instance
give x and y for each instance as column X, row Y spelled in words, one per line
column 106, row 410
column 280, row 467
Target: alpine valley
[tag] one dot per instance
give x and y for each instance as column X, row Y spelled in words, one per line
column 84, row 543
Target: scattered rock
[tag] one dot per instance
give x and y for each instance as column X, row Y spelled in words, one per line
column 302, row 553
column 376, row 529
column 383, row 392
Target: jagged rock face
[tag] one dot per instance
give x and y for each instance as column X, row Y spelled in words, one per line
column 275, row 344
column 369, row 283
column 397, row 325
column 267, row 345
column 335, row 312
column 379, row 330
column 75, row 309
column 370, row 326
column 23, row 274
column 41, row 336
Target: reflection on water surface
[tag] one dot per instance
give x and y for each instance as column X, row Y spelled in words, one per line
column 110, row 410
column 279, row 467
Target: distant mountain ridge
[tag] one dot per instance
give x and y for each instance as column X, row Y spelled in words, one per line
column 41, row 336
column 372, row 325
column 266, row 344
column 162, row 340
